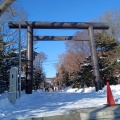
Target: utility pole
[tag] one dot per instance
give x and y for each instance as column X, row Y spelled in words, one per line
column 19, row 59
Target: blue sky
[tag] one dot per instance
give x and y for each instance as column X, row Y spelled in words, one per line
column 62, row 11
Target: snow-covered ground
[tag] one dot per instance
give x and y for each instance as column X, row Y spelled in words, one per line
column 41, row 103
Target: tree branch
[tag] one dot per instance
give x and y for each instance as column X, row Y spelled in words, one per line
column 5, row 5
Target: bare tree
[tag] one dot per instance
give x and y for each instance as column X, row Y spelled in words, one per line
column 39, row 59
column 113, row 18
column 5, row 5
column 10, row 36
column 76, row 52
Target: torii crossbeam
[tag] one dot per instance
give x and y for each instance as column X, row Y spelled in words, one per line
column 59, row 38
column 60, row 25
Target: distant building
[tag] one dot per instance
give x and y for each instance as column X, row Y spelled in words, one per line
column 49, row 80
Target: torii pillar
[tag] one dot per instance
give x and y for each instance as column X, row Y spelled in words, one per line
column 29, row 77
column 59, row 25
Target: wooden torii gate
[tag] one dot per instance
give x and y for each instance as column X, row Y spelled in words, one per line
column 60, row 25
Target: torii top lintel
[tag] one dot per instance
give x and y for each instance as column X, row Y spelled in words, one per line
column 60, row 25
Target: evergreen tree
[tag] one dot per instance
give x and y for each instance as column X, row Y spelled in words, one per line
column 38, row 73
column 108, row 52
column 38, row 78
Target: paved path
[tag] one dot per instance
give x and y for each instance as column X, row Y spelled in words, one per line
column 99, row 113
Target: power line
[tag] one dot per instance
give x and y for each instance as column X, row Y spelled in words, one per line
column 51, row 60
column 50, row 63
